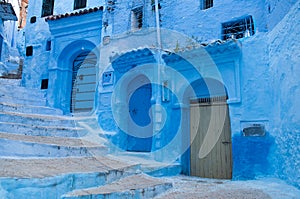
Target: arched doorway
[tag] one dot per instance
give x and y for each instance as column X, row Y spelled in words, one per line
column 139, row 93
column 210, row 154
column 83, row 82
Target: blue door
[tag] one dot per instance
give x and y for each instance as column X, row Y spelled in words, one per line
column 139, row 110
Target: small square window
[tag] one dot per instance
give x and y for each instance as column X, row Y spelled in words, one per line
column 79, row 4
column 33, row 19
column 48, row 45
column 205, row 4
column 29, row 50
column 137, row 18
column 44, row 84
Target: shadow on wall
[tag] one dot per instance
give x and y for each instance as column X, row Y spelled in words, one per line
column 251, row 156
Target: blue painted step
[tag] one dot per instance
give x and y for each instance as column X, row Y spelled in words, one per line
column 132, row 187
column 41, row 146
column 37, row 120
column 29, row 129
column 21, row 108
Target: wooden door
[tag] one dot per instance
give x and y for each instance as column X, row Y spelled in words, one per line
column 83, row 83
column 211, row 153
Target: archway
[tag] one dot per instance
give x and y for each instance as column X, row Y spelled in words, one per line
column 83, row 82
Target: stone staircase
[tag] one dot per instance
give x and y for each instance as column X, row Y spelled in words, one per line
column 45, row 154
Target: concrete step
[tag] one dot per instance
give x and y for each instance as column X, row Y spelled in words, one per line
column 53, row 177
column 43, row 146
column 28, row 129
column 37, row 119
column 21, row 108
column 135, row 186
column 148, row 164
column 21, row 92
column 12, row 82
column 25, row 101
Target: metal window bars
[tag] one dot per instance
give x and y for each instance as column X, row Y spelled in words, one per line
column 239, row 28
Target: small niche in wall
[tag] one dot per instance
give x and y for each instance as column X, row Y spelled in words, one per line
column 107, row 78
column 44, row 84
column 33, row 19
column 29, row 50
column 253, row 128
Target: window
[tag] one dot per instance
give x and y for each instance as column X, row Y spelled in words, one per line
column 239, row 28
column 33, row 19
column 205, row 4
column 48, row 45
column 29, row 51
column 79, row 4
column 137, row 18
column 47, row 8
column 44, row 84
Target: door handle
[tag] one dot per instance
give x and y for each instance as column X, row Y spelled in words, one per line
column 226, row 142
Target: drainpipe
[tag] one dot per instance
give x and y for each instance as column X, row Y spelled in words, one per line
column 157, row 120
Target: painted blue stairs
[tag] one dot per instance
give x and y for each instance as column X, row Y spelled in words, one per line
column 45, row 154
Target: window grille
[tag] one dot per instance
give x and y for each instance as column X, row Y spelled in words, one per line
column 205, row 4
column 79, row 4
column 47, row 8
column 137, row 18
column 243, row 27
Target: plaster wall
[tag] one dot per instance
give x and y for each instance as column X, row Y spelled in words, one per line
column 37, row 35
column 284, row 61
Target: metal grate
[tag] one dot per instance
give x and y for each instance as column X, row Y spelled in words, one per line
column 205, row 4
column 209, row 100
column 47, row 8
column 79, row 4
column 239, row 28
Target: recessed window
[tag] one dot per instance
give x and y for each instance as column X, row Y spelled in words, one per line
column 137, row 18
column 48, row 45
column 205, row 4
column 239, row 28
column 79, row 4
column 254, row 130
column 47, row 8
column 29, row 50
column 33, row 19
column 44, row 84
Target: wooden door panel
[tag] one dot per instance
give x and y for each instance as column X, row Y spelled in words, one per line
column 211, row 148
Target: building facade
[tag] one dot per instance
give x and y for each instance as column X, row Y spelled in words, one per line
column 9, row 55
column 225, row 62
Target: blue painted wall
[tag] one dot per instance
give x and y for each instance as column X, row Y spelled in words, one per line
column 259, row 72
